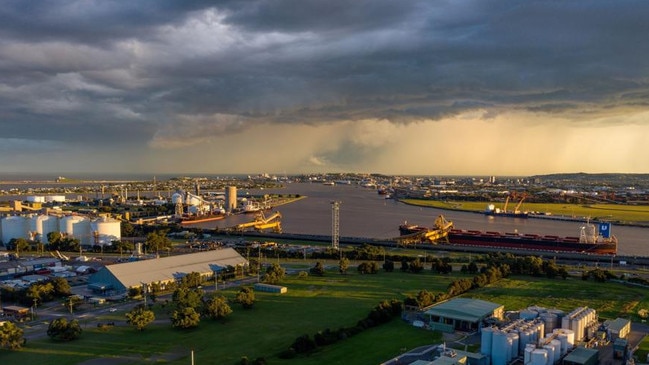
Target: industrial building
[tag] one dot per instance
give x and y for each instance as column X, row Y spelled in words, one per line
column 531, row 336
column 118, row 278
column 462, row 314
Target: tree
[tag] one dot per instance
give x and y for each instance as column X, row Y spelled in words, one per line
column 388, row 266
column 274, row 274
column 185, row 318
column 72, row 303
column 156, row 241
column 184, row 297
column 54, row 240
column 318, row 269
column 140, row 317
column 343, row 265
column 416, row 266
column 19, row 244
column 122, row 245
column 246, row 297
column 61, row 287
column 11, row 336
column 63, row 330
column 191, row 280
column 217, row 307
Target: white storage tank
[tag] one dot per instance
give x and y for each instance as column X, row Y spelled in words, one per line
column 35, row 199
column 76, row 227
column 43, row 225
column 556, row 344
column 485, row 344
column 539, row 357
column 177, row 198
column 514, row 337
column 567, row 338
column 527, row 354
column 551, row 321
column 550, row 351
column 55, row 198
column 528, row 314
column 14, row 227
column 500, row 348
column 105, row 231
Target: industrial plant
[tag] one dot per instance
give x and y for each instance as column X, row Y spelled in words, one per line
column 532, row 336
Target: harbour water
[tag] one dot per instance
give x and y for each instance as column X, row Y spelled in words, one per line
column 364, row 213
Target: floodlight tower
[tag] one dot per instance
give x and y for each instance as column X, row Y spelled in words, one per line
column 335, row 224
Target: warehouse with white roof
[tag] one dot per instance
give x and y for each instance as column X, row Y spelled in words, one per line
column 118, row 278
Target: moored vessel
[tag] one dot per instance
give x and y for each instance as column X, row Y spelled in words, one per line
column 591, row 239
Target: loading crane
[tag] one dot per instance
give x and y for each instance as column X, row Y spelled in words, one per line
column 428, row 235
column 261, row 223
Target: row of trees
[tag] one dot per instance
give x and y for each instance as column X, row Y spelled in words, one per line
column 190, row 304
column 382, row 313
column 38, row 293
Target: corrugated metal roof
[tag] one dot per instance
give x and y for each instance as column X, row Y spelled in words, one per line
column 173, row 267
column 581, row 355
column 465, row 309
column 618, row 324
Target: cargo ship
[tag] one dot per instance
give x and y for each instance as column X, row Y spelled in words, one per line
column 497, row 212
column 591, row 239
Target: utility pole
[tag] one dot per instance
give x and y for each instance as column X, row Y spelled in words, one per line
column 335, row 224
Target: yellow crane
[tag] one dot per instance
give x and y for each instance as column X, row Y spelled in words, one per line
column 261, row 223
column 432, row 235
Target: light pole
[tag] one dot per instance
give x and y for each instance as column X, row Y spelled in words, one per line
column 144, row 292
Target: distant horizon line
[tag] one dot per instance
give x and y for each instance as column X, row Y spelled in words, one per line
column 45, row 176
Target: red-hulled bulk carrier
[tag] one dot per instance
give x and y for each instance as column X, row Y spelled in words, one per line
column 593, row 240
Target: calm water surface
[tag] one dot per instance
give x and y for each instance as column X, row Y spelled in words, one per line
column 364, row 213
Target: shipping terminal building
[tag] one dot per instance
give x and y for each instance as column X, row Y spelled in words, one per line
column 118, row 278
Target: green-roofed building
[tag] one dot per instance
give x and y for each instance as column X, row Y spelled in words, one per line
column 118, row 278
column 582, row 356
column 462, row 314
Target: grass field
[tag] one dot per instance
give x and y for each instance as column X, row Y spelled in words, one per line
column 313, row 304
column 612, row 212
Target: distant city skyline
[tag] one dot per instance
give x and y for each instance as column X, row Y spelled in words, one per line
column 503, row 88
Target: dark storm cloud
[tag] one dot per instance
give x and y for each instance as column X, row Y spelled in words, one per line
column 72, row 69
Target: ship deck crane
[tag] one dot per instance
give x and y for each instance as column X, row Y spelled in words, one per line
column 518, row 206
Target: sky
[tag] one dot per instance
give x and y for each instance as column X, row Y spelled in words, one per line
column 457, row 87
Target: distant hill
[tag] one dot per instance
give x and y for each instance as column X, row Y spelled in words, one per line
column 612, row 179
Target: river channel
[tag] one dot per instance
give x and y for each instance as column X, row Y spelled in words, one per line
column 364, row 213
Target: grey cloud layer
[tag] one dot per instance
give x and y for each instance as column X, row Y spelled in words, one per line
column 87, row 71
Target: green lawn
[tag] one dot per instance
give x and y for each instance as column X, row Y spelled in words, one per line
column 314, row 304
column 612, row 212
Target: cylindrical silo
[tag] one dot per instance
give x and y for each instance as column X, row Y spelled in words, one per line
column 55, row 198
column 527, row 354
column 523, row 339
column 14, row 227
column 551, row 322
column 76, row 227
column 35, row 199
column 514, row 337
column 485, row 344
column 230, row 198
column 499, row 348
column 528, row 314
column 550, row 351
column 105, row 231
column 576, row 324
column 556, row 344
column 45, row 224
column 539, row 357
